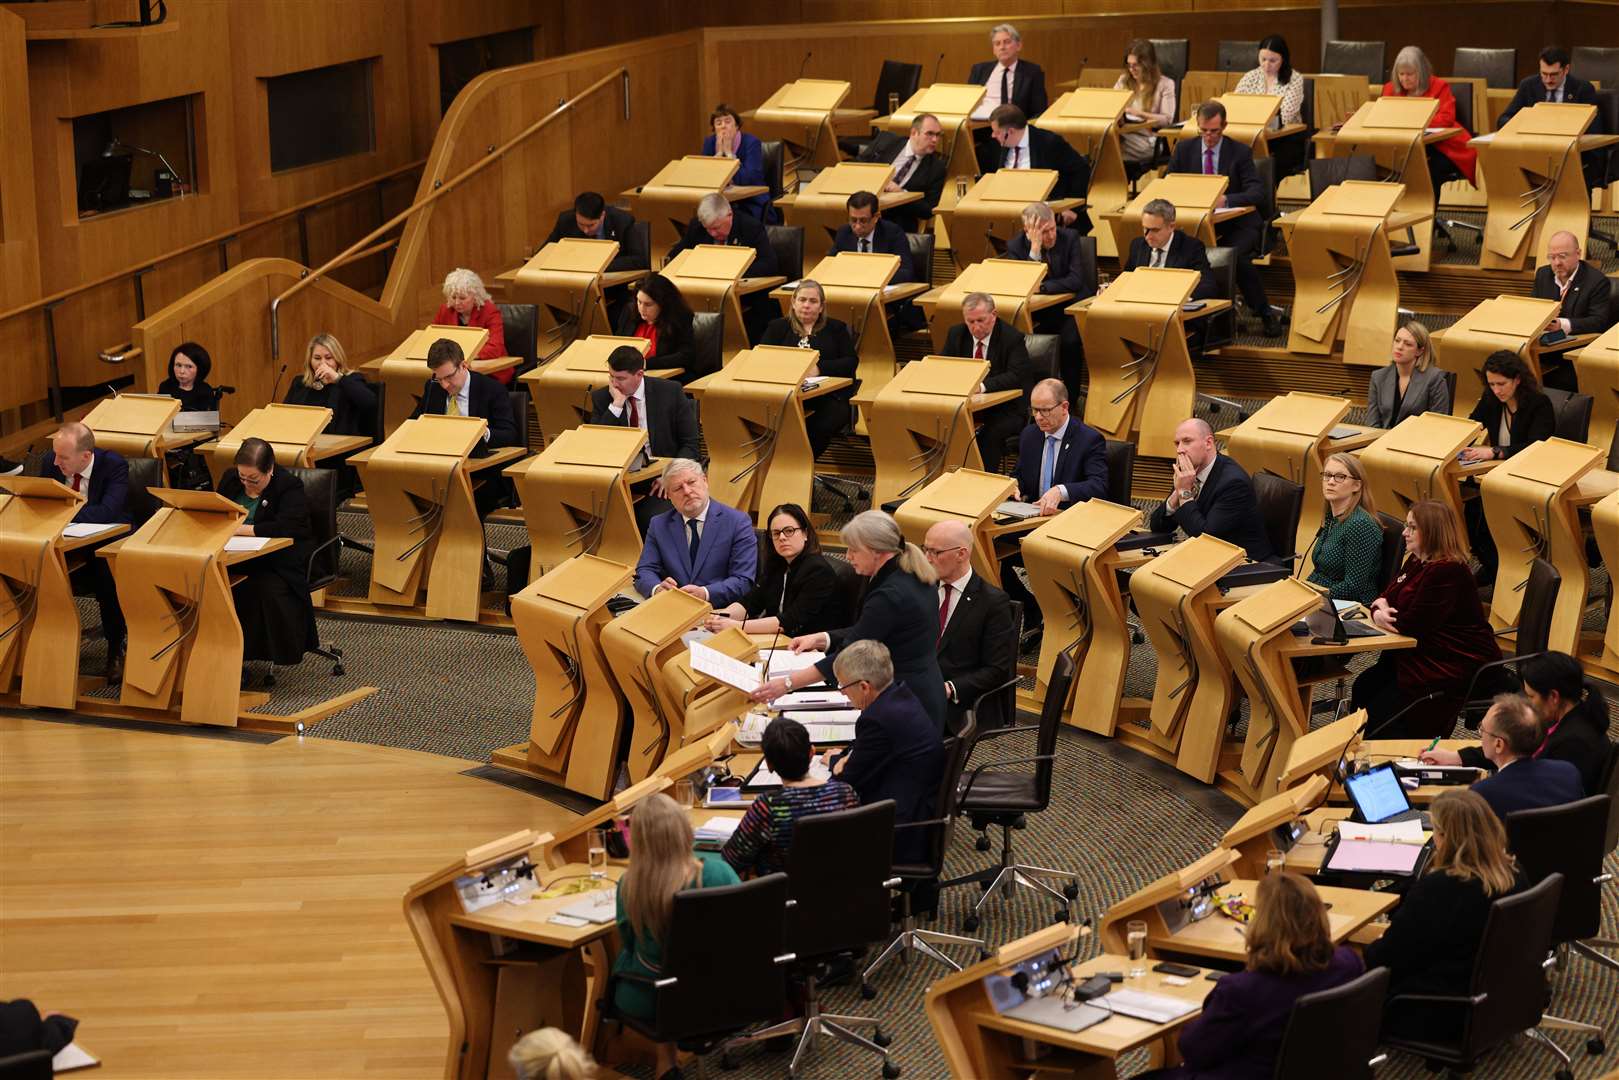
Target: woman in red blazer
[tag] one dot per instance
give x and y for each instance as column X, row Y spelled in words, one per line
column 1413, row 76
column 1434, row 600
column 467, row 303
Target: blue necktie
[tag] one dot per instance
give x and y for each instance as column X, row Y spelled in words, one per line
column 691, row 549
column 1048, row 461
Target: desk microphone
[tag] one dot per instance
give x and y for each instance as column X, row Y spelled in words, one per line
column 936, row 66
column 805, row 62
column 1419, row 701
column 275, row 387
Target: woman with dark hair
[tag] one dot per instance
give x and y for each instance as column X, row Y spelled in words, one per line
column 798, row 591
column 189, row 365
column 661, row 316
column 762, row 838
column 807, row 326
column 1152, row 98
column 1514, row 412
column 1432, row 599
column 728, row 140
column 1572, row 708
column 1275, row 75
column 272, row 599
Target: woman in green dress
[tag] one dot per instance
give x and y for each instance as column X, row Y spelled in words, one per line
column 1348, row 548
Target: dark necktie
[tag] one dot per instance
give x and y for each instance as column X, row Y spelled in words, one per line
column 1006, row 86
column 904, row 173
column 865, row 245
column 691, row 549
column 635, row 414
column 944, row 607
column 76, row 478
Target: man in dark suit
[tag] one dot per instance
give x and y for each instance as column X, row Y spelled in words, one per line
column 1162, row 245
column 917, row 167
column 102, row 477
column 658, row 407
column 868, row 232
column 1060, row 249
column 454, row 389
column 1061, row 461
column 1016, row 144
column 1211, row 154
column 1510, row 735
column 1583, row 289
column 984, row 336
column 716, row 223
column 977, row 642
column 1212, row 494
column 897, row 752
column 1556, row 83
column 699, row 546
column 592, row 219
column 1008, row 79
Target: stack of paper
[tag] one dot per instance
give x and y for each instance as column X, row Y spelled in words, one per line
column 784, row 661
column 812, row 699
column 246, row 543
column 717, row 665
column 752, row 731
column 1397, row 832
column 85, row 528
column 1158, row 1008
column 763, row 777
column 1019, row 510
column 600, row 906
column 717, row 830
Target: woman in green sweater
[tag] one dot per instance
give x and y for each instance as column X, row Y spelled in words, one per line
column 1348, row 548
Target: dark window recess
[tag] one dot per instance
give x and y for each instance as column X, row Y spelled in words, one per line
column 459, row 62
column 320, row 115
column 134, row 155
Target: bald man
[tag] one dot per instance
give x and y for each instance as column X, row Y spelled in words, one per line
column 1583, row 290
column 977, row 641
column 102, row 477
column 1212, row 494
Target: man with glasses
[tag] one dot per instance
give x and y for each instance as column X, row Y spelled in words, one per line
column 456, row 390
column 699, row 546
column 917, row 167
column 977, row 643
column 1510, row 734
column 1161, row 246
column 984, row 335
column 1557, row 84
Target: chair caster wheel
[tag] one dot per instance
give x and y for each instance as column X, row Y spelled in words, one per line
column 890, row 1070
column 1061, row 916
column 1563, row 1074
column 727, row 1062
column 867, row 990
column 882, row 1038
column 1595, row 1045
column 970, row 923
column 1071, row 890
column 982, row 843
column 337, row 669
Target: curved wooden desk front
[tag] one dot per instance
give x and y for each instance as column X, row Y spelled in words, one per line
column 576, row 497
column 1605, row 524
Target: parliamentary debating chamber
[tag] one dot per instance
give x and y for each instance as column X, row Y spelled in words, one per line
column 824, row 539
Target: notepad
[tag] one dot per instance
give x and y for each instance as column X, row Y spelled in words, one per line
column 1343, row 433
column 1373, row 857
column 1157, row 1008
column 86, row 528
column 1020, row 510
column 596, row 907
column 246, row 543
column 714, row 832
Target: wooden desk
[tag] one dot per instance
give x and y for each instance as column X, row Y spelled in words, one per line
column 1220, row 938
column 1378, row 751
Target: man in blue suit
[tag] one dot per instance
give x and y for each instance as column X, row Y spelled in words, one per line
column 1511, row 735
column 1213, row 153
column 1060, row 461
column 102, row 477
column 701, row 547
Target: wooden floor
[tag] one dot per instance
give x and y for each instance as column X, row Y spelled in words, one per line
column 225, row 909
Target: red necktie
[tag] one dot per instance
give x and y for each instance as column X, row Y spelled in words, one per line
column 635, row 415
column 1208, row 161
column 978, row 351
column 944, row 607
column 76, row 478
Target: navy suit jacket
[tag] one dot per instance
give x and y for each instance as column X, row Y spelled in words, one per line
column 1028, row 84
column 616, row 225
column 1234, row 161
column 887, row 239
column 1081, row 465
column 1065, row 270
column 897, row 754
column 1047, row 150
column 745, row 232
column 727, row 554
column 1226, row 507
column 1186, row 252
column 1530, row 783
column 1532, row 91
column 107, row 501
column 485, row 398
column 928, row 176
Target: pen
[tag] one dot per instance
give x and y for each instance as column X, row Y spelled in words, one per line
column 1432, row 745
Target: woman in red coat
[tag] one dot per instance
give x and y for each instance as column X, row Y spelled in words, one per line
column 1413, row 76
column 1434, row 600
column 467, row 303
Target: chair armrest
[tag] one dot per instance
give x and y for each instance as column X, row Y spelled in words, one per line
column 973, row 777
column 991, row 692
column 309, row 567
column 929, row 821
column 1438, row 999
column 995, row 733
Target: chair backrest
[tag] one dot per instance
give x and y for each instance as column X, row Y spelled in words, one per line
column 1058, row 688
column 787, row 241
column 1332, row 1034
column 1171, row 56
column 1393, row 547
column 144, row 474
column 320, row 490
column 709, row 998
column 1497, row 67
column 1450, row 387
column 1121, row 470
column 1222, row 260
column 1044, row 354
column 1266, row 168
column 1325, row 172
column 836, row 868
column 774, row 156
column 1237, row 56
column 1573, row 412
column 1608, row 117
column 1221, row 328
column 1567, row 840
column 1307, row 106
column 921, row 256
column 1510, row 967
column 1610, row 785
column 958, row 747
column 28, row 1065
column 1539, row 600
column 1281, row 501
column 1364, row 58
column 1463, row 92
column 1595, row 63
column 708, row 341
column 379, row 415
column 517, row 396
column 1613, row 450
column 896, row 77
column 520, row 322
column 1087, row 266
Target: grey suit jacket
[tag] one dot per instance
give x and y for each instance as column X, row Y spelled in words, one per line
column 1428, row 392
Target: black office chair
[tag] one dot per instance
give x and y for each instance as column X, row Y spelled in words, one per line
column 996, row 794
column 28, row 1065
column 839, row 873
column 522, row 414
column 1508, row 991
column 1533, row 632
column 1596, row 64
column 919, row 875
column 320, row 489
column 1332, row 1034
column 1121, row 471
column 1573, row 412
column 897, row 78
column 144, row 474
column 1497, row 67
column 922, row 245
column 851, row 586
column 1605, row 171
column 697, row 1002
column 1365, row 58
column 1266, row 208
column 708, row 342
column 1325, row 172
column 1088, row 277
column 787, row 241
column 773, row 157
column 1172, row 54
column 1215, row 331
column 1281, row 502
column 1393, row 548
column 1237, row 56
column 1044, row 356
column 1610, row 784
column 520, row 322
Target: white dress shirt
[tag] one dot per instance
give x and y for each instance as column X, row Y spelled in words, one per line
column 640, row 405
column 1202, row 478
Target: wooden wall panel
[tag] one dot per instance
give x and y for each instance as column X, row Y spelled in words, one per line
column 19, row 229
column 431, row 25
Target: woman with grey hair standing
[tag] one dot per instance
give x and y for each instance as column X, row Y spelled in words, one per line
column 467, row 303
column 899, row 609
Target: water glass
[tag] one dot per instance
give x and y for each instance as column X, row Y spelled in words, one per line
column 1135, row 935
column 893, row 102
column 597, row 847
column 1275, row 860
column 685, row 794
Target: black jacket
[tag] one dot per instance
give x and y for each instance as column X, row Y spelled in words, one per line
column 1186, row 252
column 1534, row 420
column 485, row 398
column 977, row 651
column 897, row 753
column 1580, row 739
column 887, row 239
column 1585, row 305
column 1233, row 161
column 107, row 501
column 1532, row 91
column 1008, row 356
column 902, row 613
column 1028, row 84
column 836, row 348
column 928, row 176
column 1226, row 507
column 351, row 399
column 200, row 398
column 812, row 602
column 671, row 425
column 283, row 511
column 1047, row 150
column 1065, row 270
column 675, row 348
column 746, row 231
column 632, row 255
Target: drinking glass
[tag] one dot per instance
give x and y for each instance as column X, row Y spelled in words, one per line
column 961, row 186
column 1275, row 860
column 598, row 853
column 893, row 102
column 685, row 794
column 1135, row 934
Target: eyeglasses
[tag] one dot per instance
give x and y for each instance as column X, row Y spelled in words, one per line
column 1336, row 477
column 933, row 552
column 785, row 534
column 1487, row 733
column 1046, row 410
column 845, row 686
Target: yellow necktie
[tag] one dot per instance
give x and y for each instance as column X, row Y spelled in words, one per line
column 452, row 406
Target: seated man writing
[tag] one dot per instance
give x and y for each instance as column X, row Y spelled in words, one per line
column 1509, row 735
column 700, row 546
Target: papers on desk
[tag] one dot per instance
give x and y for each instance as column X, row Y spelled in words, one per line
column 812, row 381
column 195, row 421
column 1395, row 832
column 246, row 543
column 86, row 528
column 784, row 661
column 762, row 777
column 1020, row 510
column 72, row 1056
column 1373, row 857
column 1155, row 1008
column 831, row 726
column 600, row 906
column 1343, row 433
column 716, row 665
column 1484, row 140
column 716, row 830
column 894, row 288
column 692, row 637
column 812, row 699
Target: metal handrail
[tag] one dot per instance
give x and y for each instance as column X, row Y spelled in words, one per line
column 440, row 189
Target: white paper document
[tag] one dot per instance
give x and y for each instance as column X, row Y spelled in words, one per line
column 600, row 906
column 717, row 828
column 1019, row 510
column 1158, row 1008
column 785, row 661
column 765, row 778
column 716, row 665
column 72, row 1056
column 1396, row 832
column 812, row 699
column 246, row 543
column 86, row 528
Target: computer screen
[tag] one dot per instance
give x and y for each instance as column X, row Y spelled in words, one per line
column 1377, row 793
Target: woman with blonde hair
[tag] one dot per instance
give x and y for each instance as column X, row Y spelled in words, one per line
column 662, row 863
column 1409, row 385
column 1290, row 954
column 806, row 326
column 468, row 303
column 1433, row 937
column 1412, row 76
column 1348, row 548
column 328, row 383
column 550, row 1054
column 1152, row 98
column 900, row 608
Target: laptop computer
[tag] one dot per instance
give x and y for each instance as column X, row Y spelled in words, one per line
column 1379, row 797
column 1324, row 626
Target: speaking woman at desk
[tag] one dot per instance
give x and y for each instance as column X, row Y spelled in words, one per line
column 798, row 592
column 272, row 600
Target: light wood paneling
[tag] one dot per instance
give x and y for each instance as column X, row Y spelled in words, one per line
column 19, row 231
column 432, row 25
